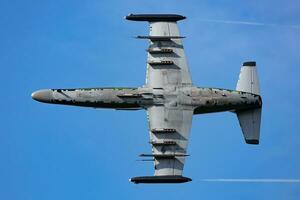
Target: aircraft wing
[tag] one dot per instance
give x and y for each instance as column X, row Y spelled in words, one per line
column 170, row 125
column 166, row 62
column 169, row 134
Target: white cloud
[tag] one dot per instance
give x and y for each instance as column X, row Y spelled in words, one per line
column 253, row 180
column 248, row 23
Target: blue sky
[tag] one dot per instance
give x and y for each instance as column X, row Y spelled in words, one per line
column 59, row 152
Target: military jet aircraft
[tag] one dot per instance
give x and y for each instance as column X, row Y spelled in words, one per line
column 170, row 99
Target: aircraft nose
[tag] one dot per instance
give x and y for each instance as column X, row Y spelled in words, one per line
column 42, row 95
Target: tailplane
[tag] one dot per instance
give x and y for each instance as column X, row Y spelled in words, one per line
column 249, row 119
column 248, row 79
column 250, row 124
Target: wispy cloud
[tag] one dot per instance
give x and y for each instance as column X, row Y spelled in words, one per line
column 253, row 180
column 248, row 23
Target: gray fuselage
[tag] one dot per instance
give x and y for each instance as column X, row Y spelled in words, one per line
column 202, row 100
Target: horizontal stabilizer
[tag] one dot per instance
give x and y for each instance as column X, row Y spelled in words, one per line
column 248, row 79
column 250, row 124
column 249, row 119
column 160, row 179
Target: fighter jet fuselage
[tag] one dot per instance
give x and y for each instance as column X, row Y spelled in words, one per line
column 202, row 100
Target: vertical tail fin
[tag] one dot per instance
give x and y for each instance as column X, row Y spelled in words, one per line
column 249, row 119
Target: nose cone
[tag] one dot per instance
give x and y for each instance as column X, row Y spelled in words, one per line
column 42, row 95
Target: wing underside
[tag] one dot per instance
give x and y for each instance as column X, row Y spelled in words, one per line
column 166, row 63
column 169, row 133
column 167, row 70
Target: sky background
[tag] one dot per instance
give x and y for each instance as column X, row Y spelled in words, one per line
column 58, row 152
